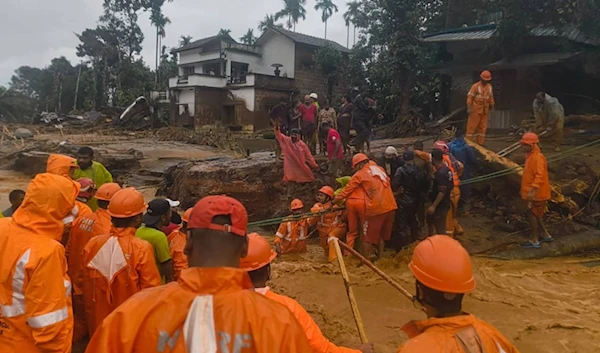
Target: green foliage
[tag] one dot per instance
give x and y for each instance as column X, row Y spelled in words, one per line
column 330, row 63
column 294, row 11
column 14, row 106
column 185, row 40
column 224, row 32
column 249, row 37
column 268, row 22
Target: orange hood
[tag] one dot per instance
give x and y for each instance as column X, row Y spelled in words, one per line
column 60, row 164
column 48, row 200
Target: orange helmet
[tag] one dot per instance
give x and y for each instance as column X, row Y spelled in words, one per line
column 126, row 203
column 259, row 255
column 486, row 75
column 107, row 191
column 87, row 187
column 441, row 263
column 529, row 139
column 186, row 215
column 296, row 204
column 359, row 157
column 327, row 190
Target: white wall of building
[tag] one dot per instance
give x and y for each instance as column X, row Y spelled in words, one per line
column 247, row 94
column 187, row 96
column 193, row 55
column 277, row 49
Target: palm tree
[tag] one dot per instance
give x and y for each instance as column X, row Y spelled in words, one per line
column 267, row 23
column 328, row 7
column 347, row 20
column 351, row 16
column 224, row 32
column 185, row 40
column 249, row 37
column 160, row 22
column 294, row 10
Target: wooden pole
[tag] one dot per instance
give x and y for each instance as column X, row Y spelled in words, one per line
column 381, row 274
column 350, row 293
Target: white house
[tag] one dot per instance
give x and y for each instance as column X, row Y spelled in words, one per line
column 224, row 83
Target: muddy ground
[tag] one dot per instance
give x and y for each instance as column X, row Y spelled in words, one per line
column 547, row 305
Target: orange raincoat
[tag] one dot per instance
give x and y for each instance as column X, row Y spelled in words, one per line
column 456, row 167
column 454, row 335
column 177, row 240
column 480, row 100
column 318, row 342
column 207, row 310
column 329, row 224
column 60, row 164
column 292, row 235
column 535, row 175
column 84, row 229
column 117, row 265
column 35, row 290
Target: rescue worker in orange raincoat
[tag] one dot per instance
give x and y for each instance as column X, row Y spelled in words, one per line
column 258, row 265
column 380, row 203
column 292, row 234
column 83, row 230
column 444, row 274
column 329, row 224
column 535, row 190
column 456, row 167
column 177, row 239
column 35, row 290
column 212, row 307
column 65, row 166
column 117, row 265
column 480, row 100
column 356, row 205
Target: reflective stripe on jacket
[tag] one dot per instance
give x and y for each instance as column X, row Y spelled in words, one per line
column 292, row 235
column 35, row 290
column 116, row 266
column 480, row 98
column 207, row 310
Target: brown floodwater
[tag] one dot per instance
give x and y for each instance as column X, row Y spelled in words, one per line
column 549, row 305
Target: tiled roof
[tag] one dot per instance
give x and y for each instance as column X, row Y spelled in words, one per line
column 200, row 42
column 310, row 40
column 484, row 32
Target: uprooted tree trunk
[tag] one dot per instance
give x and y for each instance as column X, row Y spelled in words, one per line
column 499, row 163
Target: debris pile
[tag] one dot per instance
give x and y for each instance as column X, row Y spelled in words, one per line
column 138, row 116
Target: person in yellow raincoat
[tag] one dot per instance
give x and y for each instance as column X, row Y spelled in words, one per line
column 35, row 290
column 330, row 224
column 88, row 168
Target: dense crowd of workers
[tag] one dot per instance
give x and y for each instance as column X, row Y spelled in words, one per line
column 82, row 256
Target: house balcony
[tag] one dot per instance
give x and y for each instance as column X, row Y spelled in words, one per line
column 198, row 80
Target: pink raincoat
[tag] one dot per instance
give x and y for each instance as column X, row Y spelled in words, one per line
column 296, row 155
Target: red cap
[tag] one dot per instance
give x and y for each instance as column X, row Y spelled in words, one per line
column 211, row 206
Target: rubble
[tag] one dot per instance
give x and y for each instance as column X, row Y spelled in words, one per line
column 137, row 116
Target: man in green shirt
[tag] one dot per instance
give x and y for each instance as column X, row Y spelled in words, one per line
column 157, row 216
column 88, row 168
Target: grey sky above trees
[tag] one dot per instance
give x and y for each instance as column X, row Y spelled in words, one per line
column 36, row 31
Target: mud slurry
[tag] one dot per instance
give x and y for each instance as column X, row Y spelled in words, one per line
column 541, row 306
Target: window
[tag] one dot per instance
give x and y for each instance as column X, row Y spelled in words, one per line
column 188, row 70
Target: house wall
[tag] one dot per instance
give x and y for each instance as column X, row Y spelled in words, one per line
column 278, row 50
column 208, row 107
column 187, row 96
column 193, row 55
column 245, row 94
column 309, row 79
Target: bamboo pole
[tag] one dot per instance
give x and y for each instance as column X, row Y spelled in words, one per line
column 350, row 293
column 381, row 274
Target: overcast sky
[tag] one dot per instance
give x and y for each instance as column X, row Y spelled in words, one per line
column 32, row 32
